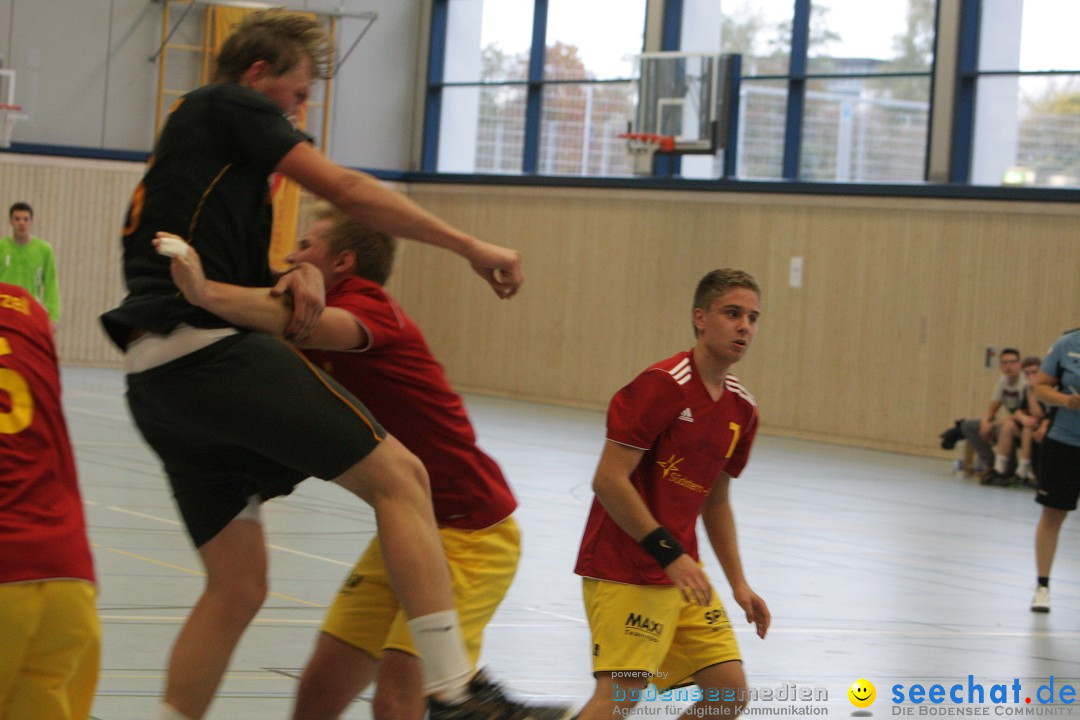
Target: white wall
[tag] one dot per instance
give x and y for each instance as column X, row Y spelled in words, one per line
column 85, row 80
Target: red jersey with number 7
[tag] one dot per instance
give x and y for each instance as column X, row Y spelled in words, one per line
column 42, row 529
column 688, row 439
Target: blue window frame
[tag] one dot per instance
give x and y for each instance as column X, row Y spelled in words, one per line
column 831, row 90
column 535, row 88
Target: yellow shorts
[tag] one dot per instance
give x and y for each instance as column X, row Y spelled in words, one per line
column 651, row 629
column 366, row 613
column 51, row 649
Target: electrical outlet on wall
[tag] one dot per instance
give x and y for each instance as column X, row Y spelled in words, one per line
column 795, row 272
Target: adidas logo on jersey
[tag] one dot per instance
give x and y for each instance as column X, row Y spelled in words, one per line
column 686, row 415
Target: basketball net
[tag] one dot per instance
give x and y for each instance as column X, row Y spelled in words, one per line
column 643, row 147
column 9, row 115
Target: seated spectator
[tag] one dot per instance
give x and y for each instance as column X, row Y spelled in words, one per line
column 982, row 433
column 1029, row 423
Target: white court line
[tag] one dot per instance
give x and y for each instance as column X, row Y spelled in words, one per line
column 965, row 634
column 541, row 611
column 279, row 548
column 989, row 634
column 96, row 414
column 178, row 619
column 167, row 521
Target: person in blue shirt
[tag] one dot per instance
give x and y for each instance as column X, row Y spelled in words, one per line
column 1056, row 385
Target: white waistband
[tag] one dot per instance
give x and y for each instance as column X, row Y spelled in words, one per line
column 151, row 349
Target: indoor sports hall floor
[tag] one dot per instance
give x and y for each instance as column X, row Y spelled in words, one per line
column 874, row 565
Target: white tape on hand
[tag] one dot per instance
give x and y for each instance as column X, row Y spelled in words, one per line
column 172, row 247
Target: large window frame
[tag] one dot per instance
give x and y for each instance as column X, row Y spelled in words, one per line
column 953, row 78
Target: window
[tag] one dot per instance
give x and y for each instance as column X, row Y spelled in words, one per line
column 503, row 108
column 837, row 92
column 830, row 90
column 1027, row 94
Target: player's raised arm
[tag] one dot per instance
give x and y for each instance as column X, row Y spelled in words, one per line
column 365, row 198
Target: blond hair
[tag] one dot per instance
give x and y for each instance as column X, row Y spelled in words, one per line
column 279, row 37
column 719, row 282
column 374, row 250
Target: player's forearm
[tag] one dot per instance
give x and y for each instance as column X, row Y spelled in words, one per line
column 52, row 292
column 1051, row 395
column 719, row 522
column 625, row 506
column 257, row 309
column 249, row 308
column 367, row 199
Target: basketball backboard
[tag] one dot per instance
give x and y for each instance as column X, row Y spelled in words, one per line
column 685, row 95
column 9, row 111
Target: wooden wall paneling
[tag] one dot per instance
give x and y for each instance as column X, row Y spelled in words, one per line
column 882, row 346
column 78, row 208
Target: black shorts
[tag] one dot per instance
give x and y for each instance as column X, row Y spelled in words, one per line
column 247, row 415
column 1059, row 475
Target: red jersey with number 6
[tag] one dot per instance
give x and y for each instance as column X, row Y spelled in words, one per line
column 42, row 529
column 688, row 439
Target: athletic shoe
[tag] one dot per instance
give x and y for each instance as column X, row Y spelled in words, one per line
column 1027, row 478
column 997, row 479
column 487, row 701
column 1041, row 602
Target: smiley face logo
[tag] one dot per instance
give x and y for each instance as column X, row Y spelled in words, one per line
column 862, row 693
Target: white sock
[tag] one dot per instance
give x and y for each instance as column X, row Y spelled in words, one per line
column 1024, row 470
column 1000, row 463
column 168, row 712
column 447, row 668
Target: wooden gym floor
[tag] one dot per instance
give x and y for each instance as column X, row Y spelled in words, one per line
column 874, row 565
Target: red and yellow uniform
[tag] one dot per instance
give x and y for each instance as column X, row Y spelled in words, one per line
column 639, row 621
column 49, row 663
column 401, row 383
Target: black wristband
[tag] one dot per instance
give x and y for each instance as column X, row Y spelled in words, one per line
column 664, row 548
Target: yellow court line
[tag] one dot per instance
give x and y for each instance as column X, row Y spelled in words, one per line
column 190, row 571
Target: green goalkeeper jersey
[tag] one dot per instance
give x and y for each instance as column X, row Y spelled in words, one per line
column 30, row 265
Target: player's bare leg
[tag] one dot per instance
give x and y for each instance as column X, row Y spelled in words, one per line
column 394, row 482
column 723, row 688
column 235, row 561
column 612, row 696
column 399, row 691
column 333, row 677
column 1046, row 538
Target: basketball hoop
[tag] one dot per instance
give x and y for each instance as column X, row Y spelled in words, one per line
column 644, row 146
column 9, row 115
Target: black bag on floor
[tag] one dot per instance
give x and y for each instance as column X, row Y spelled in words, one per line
column 950, row 437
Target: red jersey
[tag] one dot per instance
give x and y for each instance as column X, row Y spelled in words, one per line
column 42, row 529
column 398, row 379
column 688, row 439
